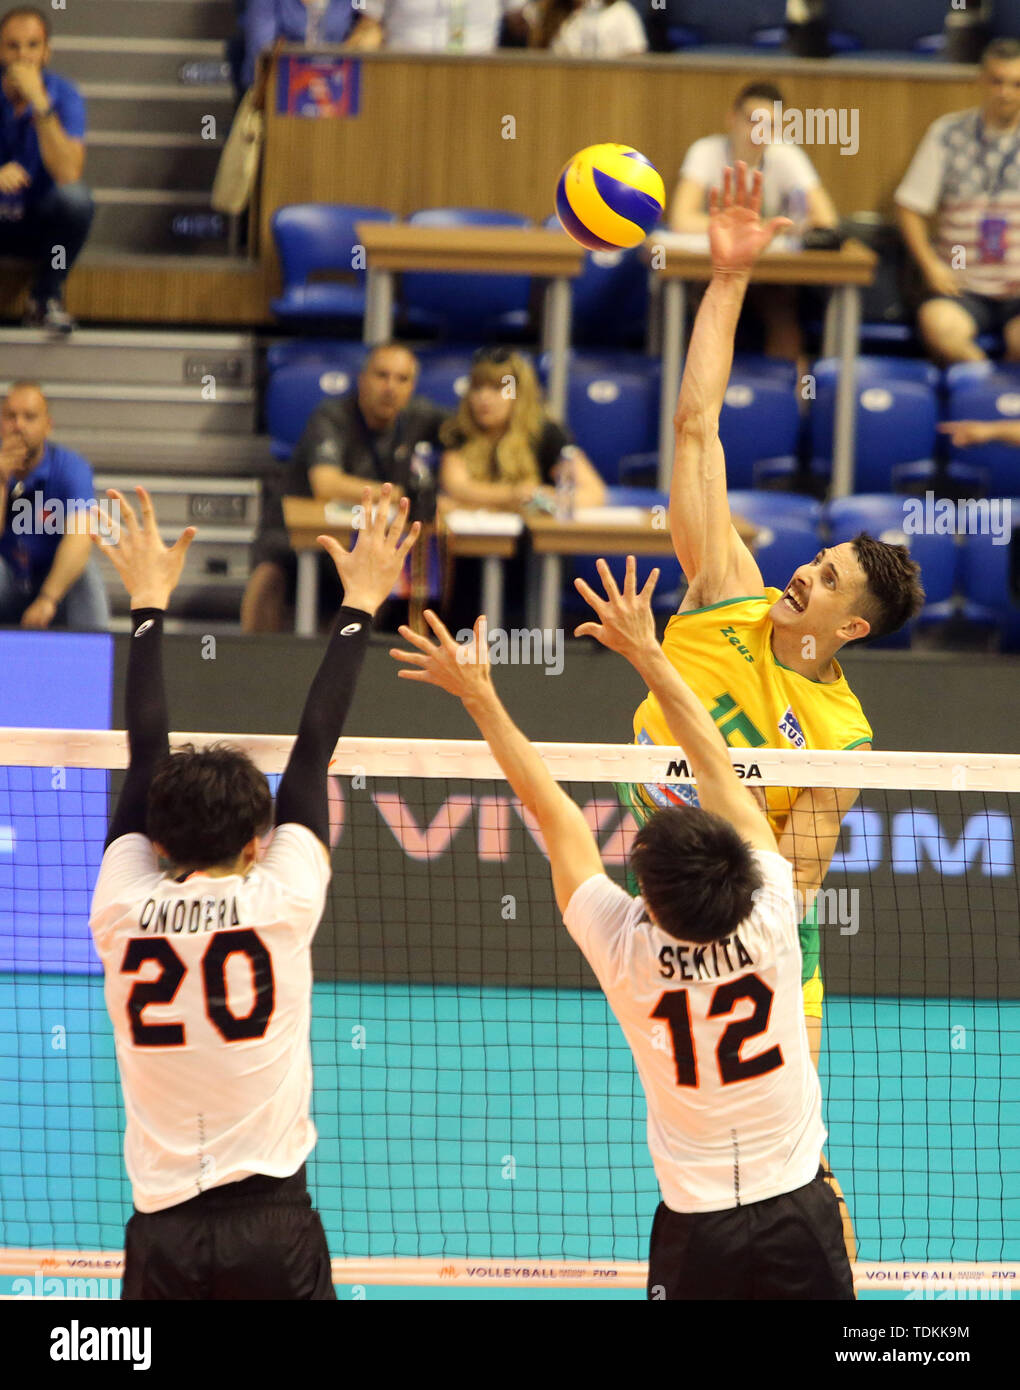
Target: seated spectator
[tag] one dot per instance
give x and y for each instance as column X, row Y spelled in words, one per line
column 330, row 21
column 587, row 28
column 48, row 576
column 368, row 435
column 502, row 449
column 790, row 188
column 432, row 26
column 43, row 202
column 958, row 208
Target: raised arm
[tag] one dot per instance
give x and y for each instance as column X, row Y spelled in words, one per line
column 150, row 573
column 368, row 574
column 716, row 562
column 464, row 671
column 626, row 626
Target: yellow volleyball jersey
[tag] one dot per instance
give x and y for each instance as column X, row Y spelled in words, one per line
column 724, row 653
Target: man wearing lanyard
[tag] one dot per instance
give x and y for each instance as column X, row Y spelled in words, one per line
column 965, row 177
column 45, row 209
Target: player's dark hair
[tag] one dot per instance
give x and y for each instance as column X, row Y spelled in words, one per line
column 894, row 593
column 695, row 873
column 1001, row 51
column 765, row 91
column 25, row 12
column 206, row 804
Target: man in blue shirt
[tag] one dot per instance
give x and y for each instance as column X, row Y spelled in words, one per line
column 45, row 208
column 47, row 573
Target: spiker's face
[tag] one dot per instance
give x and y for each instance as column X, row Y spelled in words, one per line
column 824, row 597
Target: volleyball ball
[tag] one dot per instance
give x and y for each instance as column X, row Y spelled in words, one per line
column 609, row 197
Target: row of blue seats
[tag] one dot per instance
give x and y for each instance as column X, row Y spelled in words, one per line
column 613, row 410
column 967, row 572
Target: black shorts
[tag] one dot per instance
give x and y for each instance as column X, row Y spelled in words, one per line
column 787, row 1247
column 990, row 315
column 257, row 1239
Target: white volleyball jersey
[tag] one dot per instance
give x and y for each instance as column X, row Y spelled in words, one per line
column 719, row 1040
column 208, row 986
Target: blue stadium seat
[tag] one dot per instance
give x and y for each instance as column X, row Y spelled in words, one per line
column 314, row 237
column 783, row 547
column 991, row 582
column 895, row 419
column 443, row 378
column 984, row 391
column 291, row 396
column 469, row 306
column 609, row 299
column 612, row 413
column 768, row 508
column 759, row 419
column 338, row 353
column 890, row 519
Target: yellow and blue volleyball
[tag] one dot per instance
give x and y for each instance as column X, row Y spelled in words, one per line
column 609, row 197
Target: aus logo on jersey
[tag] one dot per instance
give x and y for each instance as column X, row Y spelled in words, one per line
column 789, row 727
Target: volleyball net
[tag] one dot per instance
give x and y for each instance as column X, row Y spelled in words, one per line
column 480, row 1117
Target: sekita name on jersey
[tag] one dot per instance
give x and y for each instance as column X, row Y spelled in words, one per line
column 200, row 914
column 789, row 727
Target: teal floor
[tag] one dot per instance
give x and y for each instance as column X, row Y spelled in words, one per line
column 494, row 1122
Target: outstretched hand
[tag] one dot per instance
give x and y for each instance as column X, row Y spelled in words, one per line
column 372, row 567
column 462, row 669
column 149, row 569
column 626, row 624
column 737, row 235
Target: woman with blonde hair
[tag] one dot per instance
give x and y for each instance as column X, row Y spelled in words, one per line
column 502, row 450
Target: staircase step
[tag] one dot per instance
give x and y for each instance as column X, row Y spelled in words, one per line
column 126, row 358
column 149, row 19
column 133, row 160
column 158, row 108
column 182, row 222
column 203, row 501
column 142, row 454
column 163, row 61
column 177, row 408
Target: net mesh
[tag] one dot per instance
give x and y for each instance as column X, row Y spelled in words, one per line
column 474, row 1095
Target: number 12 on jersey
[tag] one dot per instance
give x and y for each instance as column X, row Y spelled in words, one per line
column 675, row 1008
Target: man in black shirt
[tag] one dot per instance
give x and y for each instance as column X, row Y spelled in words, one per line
column 369, row 435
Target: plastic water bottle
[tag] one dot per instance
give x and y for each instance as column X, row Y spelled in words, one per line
column 796, row 211
column 566, row 484
column 315, row 16
column 458, row 24
column 421, row 485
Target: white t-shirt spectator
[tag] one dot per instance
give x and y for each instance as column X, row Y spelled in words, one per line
column 968, row 180
column 785, row 169
column 435, row 26
column 719, row 1041
column 597, row 31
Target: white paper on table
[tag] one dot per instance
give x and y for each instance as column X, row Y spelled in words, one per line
column 463, row 522
column 612, row 516
column 697, row 242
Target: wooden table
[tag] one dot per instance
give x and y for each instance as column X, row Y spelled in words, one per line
column 306, row 518
column 846, row 271
column 595, row 531
column 395, row 246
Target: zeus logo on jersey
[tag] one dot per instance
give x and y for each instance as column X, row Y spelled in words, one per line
column 789, row 727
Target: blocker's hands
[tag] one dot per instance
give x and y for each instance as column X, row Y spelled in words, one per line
column 369, row 571
column 149, row 570
column 462, row 669
column 626, row 624
column 737, row 235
